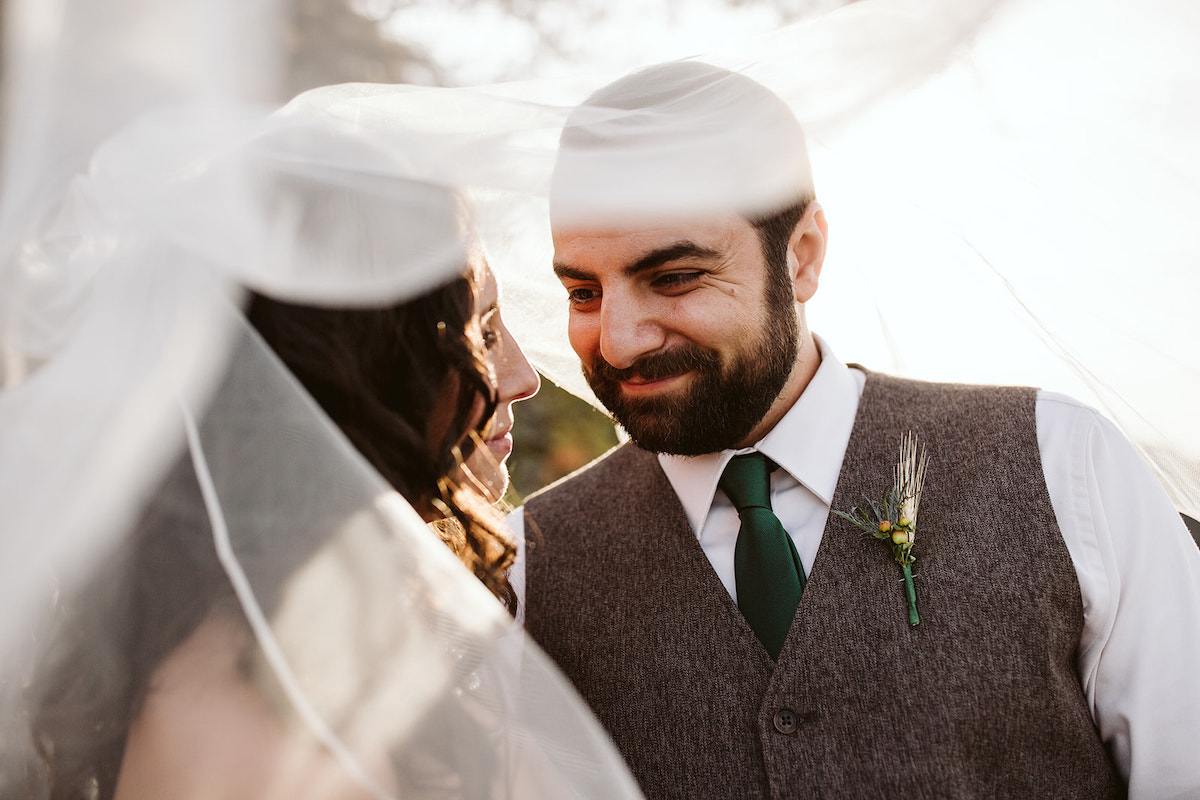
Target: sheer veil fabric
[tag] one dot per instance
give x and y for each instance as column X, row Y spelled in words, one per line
column 1009, row 186
column 148, row 434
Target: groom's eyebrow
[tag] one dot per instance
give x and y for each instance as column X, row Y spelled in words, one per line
column 655, row 258
column 665, row 255
column 567, row 272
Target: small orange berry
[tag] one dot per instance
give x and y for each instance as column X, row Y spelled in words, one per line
column 885, row 526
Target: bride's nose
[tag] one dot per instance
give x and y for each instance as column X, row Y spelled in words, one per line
column 516, row 379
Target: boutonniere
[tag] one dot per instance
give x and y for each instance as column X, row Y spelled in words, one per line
column 894, row 520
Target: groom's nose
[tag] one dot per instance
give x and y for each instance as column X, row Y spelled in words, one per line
column 628, row 330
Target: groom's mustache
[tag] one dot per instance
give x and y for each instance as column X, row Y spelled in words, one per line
column 655, row 366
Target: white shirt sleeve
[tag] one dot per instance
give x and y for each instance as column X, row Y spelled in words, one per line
column 1139, row 574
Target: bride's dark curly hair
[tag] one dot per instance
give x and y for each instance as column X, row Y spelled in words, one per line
column 386, row 375
column 408, row 383
column 381, row 374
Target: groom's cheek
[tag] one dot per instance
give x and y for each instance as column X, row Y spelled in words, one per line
column 583, row 332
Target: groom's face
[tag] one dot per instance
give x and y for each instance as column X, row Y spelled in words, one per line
column 681, row 333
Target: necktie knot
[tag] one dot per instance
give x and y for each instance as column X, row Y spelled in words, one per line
column 747, row 481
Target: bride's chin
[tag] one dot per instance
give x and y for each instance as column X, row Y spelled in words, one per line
column 485, row 469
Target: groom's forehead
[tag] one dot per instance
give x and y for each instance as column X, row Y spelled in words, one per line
column 696, row 179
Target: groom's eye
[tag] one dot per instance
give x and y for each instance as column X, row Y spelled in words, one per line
column 582, row 295
column 676, row 280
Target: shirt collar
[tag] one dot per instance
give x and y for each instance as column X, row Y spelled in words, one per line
column 808, row 442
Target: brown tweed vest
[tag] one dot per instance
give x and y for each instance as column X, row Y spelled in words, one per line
column 982, row 699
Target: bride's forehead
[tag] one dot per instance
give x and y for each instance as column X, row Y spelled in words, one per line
column 487, row 287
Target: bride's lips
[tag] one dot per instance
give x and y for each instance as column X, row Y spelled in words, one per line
column 501, row 445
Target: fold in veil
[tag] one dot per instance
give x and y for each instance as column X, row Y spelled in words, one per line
column 1009, row 186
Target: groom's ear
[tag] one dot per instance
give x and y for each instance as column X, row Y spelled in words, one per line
column 806, row 252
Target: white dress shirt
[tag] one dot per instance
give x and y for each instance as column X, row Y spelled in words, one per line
column 1138, row 568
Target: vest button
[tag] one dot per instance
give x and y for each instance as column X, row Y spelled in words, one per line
column 786, row 720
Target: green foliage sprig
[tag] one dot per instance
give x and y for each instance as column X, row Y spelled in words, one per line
column 894, row 518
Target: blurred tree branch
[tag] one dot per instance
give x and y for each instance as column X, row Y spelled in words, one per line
column 341, row 41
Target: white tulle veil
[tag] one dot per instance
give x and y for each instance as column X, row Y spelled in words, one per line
column 1010, row 189
column 148, row 430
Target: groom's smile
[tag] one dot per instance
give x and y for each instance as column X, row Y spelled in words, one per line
column 649, row 386
column 656, row 374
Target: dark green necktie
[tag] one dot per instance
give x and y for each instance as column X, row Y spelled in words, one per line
column 766, row 567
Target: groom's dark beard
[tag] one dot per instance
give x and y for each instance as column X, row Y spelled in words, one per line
column 723, row 403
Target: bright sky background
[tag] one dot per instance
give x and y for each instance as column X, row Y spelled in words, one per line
column 1044, row 187
column 489, row 45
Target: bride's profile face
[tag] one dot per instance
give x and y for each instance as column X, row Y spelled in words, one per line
column 515, row 380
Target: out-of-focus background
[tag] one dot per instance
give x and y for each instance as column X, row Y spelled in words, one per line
column 471, row 42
